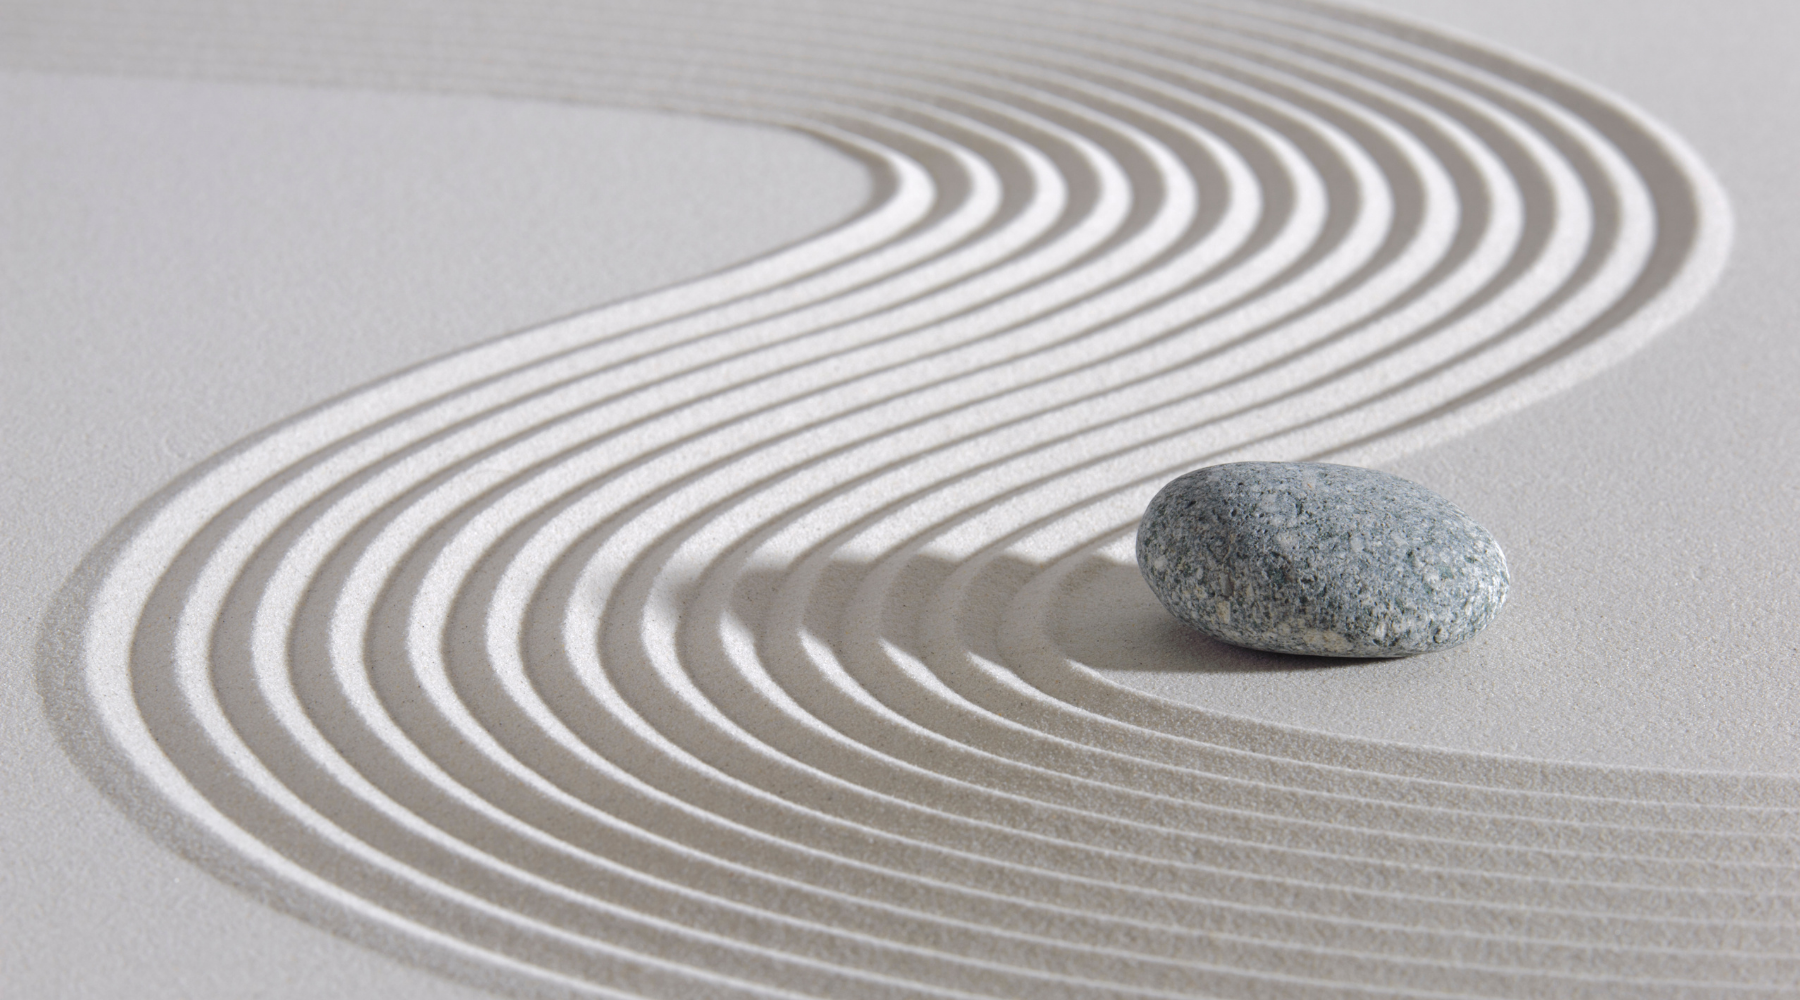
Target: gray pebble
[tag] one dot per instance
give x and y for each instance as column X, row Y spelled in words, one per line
column 1329, row 560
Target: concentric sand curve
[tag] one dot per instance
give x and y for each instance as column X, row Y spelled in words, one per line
column 706, row 643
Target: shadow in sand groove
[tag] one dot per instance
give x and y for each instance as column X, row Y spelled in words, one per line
column 1102, row 616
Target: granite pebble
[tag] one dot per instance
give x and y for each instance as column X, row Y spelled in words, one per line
column 1326, row 560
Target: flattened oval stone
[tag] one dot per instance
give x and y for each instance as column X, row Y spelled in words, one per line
column 1328, row 560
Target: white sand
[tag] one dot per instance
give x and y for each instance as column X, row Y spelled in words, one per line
column 875, row 751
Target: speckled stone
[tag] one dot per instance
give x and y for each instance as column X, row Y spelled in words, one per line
column 1328, row 560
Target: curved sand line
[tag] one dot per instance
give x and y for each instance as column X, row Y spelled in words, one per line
column 708, row 643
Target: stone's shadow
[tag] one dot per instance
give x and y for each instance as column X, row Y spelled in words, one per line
column 1102, row 615
column 1106, row 617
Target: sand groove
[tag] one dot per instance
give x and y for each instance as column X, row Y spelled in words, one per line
column 707, row 643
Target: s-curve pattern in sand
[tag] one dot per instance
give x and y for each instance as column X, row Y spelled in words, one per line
column 701, row 645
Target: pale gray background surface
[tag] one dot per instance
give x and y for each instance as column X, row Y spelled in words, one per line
column 306, row 241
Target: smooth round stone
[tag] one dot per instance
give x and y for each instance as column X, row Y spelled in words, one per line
column 1327, row 560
